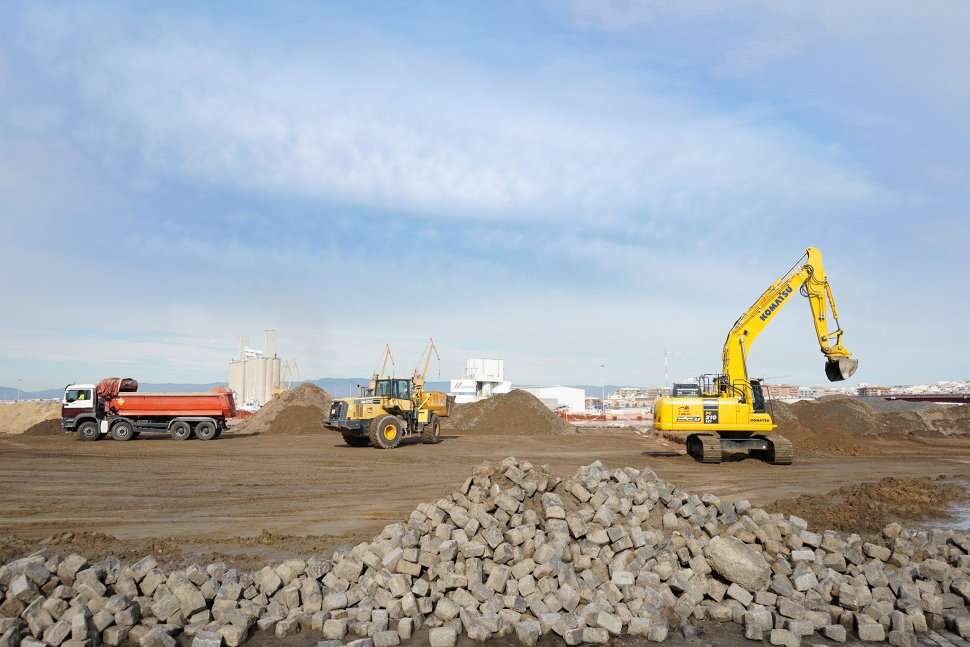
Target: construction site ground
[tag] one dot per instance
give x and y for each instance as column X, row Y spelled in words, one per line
column 249, row 498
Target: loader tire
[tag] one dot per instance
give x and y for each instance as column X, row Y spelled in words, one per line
column 122, row 430
column 88, row 430
column 385, row 432
column 356, row 441
column 431, row 434
column 205, row 430
column 181, row 430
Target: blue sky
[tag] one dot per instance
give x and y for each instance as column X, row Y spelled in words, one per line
column 563, row 185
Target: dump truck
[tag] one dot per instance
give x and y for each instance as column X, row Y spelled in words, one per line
column 114, row 406
column 391, row 409
column 728, row 410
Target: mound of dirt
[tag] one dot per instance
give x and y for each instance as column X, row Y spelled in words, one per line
column 18, row 417
column 840, row 420
column 517, row 413
column 299, row 411
column 866, row 508
column 45, row 428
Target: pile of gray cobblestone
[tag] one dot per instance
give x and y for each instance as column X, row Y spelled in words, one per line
column 520, row 550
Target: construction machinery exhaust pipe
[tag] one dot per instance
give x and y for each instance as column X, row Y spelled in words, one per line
column 841, row 368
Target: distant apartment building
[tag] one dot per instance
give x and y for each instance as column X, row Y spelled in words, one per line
column 874, row 391
column 782, row 391
column 632, row 397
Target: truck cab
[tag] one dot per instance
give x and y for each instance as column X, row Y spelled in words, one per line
column 77, row 405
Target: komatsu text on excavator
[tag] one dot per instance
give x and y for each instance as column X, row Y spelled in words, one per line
column 731, row 412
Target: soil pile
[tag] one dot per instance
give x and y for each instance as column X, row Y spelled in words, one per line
column 842, row 424
column 517, row 413
column 294, row 412
column 18, row 417
column 866, row 508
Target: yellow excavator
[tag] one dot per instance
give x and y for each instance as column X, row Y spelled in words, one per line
column 730, row 412
column 391, row 409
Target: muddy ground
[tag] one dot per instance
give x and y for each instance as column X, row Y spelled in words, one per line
column 247, row 498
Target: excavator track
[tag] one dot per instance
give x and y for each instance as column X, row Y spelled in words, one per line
column 781, row 452
column 704, row 447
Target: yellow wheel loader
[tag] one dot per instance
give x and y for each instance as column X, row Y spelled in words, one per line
column 391, row 409
column 730, row 413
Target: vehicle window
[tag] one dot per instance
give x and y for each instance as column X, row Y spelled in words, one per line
column 71, row 395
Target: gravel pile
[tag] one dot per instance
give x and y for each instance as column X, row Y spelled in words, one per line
column 519, row 550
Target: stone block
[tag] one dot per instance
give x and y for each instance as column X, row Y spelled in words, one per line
column 527, row 632
column 207, row 639
column 784, row 637
column 158, row 637
column 233, row 635
column 443, row 637
column 874, row 633
column 738, row 563
column 902, row 639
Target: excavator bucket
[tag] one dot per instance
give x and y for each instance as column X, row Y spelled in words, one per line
column 842, row 368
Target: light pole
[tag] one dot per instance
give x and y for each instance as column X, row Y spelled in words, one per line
column 603, row 382
column 19, row 380
column 666, row 377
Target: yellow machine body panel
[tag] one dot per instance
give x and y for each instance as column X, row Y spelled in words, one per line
column 710, row 415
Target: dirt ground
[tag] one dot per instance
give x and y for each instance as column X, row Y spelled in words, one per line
column 248, row 498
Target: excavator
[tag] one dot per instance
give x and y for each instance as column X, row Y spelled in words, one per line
column 731, row 412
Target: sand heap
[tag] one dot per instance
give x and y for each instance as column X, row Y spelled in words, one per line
column 297, row 411
column 518, row 413
column 19, row 417
column 841, row 424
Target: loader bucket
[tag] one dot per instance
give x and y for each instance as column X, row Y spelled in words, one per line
column 840, row 368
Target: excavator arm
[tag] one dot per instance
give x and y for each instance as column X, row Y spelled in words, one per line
column 807, row 276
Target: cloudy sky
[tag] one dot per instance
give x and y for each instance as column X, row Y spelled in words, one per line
column 565, row 185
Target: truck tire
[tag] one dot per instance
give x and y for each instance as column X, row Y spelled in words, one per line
column 181, row 430
column 431, row 434
column 88, row 430
column 122, row 430
column 356, row 441
column 385, row 432
column 205, row 430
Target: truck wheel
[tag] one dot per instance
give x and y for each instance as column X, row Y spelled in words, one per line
column 356, row 441
column 88, row 430
column 385, row 432
column 122, row 430
column 181, row 430
column 431, row 434
column 205, row 430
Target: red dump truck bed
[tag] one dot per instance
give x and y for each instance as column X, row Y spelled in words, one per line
column 217, row 403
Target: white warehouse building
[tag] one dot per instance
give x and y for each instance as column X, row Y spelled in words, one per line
column 483, row 378
column 556, row 397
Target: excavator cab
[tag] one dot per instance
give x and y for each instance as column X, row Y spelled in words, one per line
column 840, row 368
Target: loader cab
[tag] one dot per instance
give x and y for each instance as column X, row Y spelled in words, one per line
column 396, row 389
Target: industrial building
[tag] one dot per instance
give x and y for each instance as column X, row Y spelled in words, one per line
column 571, row 399
column 255, row 374
column 483, row 378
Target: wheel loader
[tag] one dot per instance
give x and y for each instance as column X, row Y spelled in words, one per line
column 391, row 409
column 730, row 413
